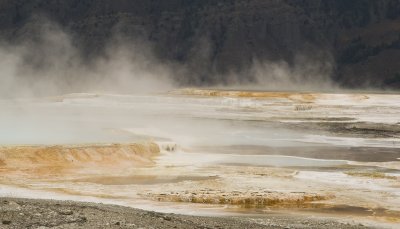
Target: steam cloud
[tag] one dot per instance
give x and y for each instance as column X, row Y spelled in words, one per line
column 307, row 73
column 51, row 64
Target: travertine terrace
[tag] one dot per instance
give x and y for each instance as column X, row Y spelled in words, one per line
column 214, row 151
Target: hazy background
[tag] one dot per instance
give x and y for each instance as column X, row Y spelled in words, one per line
column 50, row 47
column 49, row 63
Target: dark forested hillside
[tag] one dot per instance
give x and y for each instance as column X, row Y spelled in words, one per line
column 215, row 37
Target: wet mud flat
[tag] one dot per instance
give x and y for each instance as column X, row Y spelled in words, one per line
column 361, row 154
column 27, row 213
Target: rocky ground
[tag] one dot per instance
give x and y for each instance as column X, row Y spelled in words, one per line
column 26, row 213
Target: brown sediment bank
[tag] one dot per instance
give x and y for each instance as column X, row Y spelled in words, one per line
column 241, row 198
column 371, row 174
column 294, row 96
column 61, row 163
column 70, row 156
column 305, row 97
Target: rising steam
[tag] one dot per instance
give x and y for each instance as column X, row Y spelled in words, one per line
column 307, row 73
column 51, row 64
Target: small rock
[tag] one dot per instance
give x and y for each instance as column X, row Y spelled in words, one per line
column 167, row 218
column 66, row 212
column 82, row 219
column 6, row 222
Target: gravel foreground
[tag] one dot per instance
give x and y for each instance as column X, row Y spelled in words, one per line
column 28, row 213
